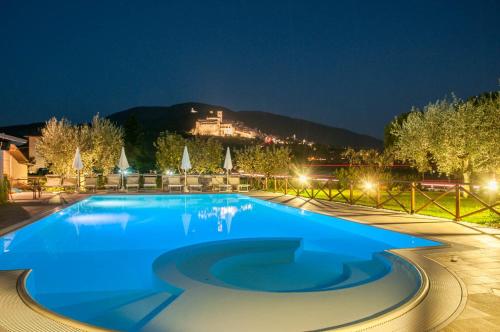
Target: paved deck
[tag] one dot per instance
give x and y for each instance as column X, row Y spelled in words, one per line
column 473, row 252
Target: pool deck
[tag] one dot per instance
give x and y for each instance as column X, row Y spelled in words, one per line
column 472, row 254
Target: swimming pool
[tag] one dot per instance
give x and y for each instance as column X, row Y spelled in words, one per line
column 210, row 262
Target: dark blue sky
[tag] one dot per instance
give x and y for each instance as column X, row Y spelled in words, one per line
column 352, row 64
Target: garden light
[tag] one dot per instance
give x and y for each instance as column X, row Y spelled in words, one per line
column 492, row 185
column 302, row 178
column 368, row 185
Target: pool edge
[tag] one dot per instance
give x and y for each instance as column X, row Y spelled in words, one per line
column 52, row 315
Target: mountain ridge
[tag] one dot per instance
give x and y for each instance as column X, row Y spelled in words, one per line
column 179, row 118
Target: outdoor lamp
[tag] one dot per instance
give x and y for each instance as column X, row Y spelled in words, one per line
column 492, row 185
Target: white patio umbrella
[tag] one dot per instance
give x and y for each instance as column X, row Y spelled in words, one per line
column 123, row 163
column 228, row 164
column 78, row 164
column 185, row 165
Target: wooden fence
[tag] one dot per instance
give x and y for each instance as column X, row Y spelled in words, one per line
column 381, row 195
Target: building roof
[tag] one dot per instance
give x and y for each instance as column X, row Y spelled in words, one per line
column 18, row 155
column 12, row 139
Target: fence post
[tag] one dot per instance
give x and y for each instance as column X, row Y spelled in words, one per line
column 329, row 190
column 378, row 195
column 457, row 202
column 265, row 183
column 286, row 185
column 350, row 193
column 275, row 187
column 412, row 198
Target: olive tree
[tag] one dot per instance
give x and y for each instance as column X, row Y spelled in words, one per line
column 206, row 155
column 99, row 143
column 264, row 160
column 169, row 148
column 453, row 137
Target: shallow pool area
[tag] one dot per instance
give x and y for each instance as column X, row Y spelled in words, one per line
column 223, row 261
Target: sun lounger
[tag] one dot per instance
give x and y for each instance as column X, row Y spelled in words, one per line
column 112, row 181
column 149, row 181
column 234, row 181
column 174, row 182
column 193, row 183
column 53, row 181
column 132, row 181
column 69, row 182
column 219, row 185
column 91, row 183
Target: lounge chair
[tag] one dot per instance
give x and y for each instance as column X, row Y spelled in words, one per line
column 53, row 181
column 174, row 182
column 219, row 185
column 112, row 181
column 69, row 182
column 91, row 183
column 193, row 183
column 234, row 181
column 132, row 181
column 164, row 182
column 149, row 181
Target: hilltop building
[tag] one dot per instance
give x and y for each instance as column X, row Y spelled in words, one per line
column 214, row 125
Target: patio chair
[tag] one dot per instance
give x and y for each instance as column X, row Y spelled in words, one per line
column 69, row 182
column 149, row 181
column 53, row 181
column 91, row 183
column 219, row 185
column 193, row 183
column 234, row 182
column 112, row 181
column 132, row 181
column 174, row 182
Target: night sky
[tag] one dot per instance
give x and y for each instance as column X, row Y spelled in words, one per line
column 351, row 64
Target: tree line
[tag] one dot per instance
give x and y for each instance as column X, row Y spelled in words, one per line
column 450, row 136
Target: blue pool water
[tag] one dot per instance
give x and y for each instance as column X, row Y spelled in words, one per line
column 93, row 259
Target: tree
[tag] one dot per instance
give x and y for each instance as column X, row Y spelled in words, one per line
column 206, row 155
column 99, row 143
column 454, row 137
column 134, row 142
column 268, row 160
column 169, row 147
column 106, row 141
column 57, row 145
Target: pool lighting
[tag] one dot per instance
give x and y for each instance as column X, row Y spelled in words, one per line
column 302, row 178
column 492, row 185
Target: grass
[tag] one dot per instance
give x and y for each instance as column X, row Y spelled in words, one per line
column 467, row 205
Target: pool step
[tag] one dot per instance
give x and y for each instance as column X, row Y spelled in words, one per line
column 127, row 317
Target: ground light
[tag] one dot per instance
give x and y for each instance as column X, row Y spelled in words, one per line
column 303, row 178
column 492, row 185
column 368, row 185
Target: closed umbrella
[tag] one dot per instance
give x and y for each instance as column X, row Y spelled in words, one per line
column 123, row 163
column 185, row 165
column 228, row 163
column 78, row 164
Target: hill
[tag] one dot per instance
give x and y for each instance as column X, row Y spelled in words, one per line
column 179, row 118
